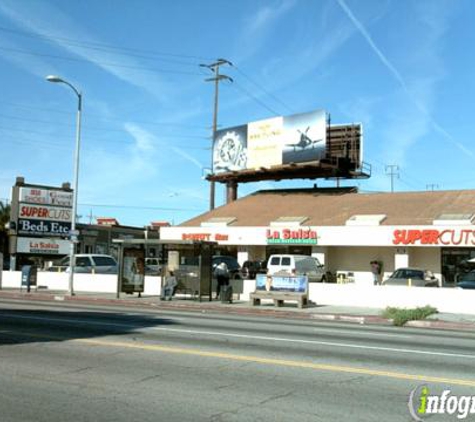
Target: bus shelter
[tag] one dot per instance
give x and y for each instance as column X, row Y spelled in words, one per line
column 189, row 260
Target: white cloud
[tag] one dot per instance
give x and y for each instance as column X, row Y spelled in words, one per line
column 44, row 19
column 434, row 32
column 144, row 140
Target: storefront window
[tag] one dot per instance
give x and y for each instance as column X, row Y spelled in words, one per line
column 455, row 262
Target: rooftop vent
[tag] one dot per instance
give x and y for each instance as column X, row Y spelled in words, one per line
column 366, row 220
column 218, row 222
column 289, row 221
column 453, row 220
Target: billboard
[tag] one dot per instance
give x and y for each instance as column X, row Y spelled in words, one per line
column 299, row 138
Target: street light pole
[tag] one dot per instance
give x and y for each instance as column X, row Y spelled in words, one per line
column 73, row 235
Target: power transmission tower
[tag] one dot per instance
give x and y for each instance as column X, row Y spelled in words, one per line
column 214, row 67
column 393, row 171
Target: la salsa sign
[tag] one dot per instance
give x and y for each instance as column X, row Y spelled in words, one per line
column 291, row 237
column 448, row 237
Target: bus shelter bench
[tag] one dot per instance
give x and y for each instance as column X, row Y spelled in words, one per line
column 279, row 298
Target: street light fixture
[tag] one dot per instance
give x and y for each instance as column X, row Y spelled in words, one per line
column 73, row 233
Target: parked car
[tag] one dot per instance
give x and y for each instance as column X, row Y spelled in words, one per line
column 6, row 263
column 152, row 266
column 251, row 268
column 88, row 263
column 418, row 278
column 234, row 268
column 297, row 265
column 467, row 280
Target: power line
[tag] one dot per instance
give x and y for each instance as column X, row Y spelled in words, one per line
column 264, row 90
column 100, row 129
column 95, row 45
column 112, row 119
column 118, row 65
column 139, row 207
column 257, row 100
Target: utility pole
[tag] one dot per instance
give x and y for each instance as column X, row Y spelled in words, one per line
column 393, row 171
column 432, row 187
column 214, row 67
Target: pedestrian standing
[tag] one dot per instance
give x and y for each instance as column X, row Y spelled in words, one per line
column 222, row 277
column 376, row 271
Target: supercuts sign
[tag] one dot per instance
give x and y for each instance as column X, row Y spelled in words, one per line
column 292, row 236
column 427, row 237
column 43, row 228
column 46, row 197
column 43, row 212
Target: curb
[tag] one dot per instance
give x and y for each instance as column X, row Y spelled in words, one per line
column 217, row 307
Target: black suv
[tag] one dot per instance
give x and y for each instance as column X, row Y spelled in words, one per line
column 233, row 265
column 251, row 268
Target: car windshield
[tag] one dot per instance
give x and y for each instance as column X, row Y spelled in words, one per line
column 468, row 277
column 408, row 273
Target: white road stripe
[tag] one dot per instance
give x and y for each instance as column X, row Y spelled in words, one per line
column 250, row 337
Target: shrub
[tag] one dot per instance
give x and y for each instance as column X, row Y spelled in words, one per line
column 401, row 315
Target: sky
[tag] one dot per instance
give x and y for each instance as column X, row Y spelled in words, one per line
column 402, row 68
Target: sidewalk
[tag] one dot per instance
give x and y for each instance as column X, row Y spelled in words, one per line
column 357, row 315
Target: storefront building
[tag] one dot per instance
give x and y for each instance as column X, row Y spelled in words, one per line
column 344, row 229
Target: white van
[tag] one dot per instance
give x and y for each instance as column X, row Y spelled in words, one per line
column 297, row 265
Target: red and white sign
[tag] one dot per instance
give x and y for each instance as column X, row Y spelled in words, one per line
column 447, row 237
column 44, row 212
column 208, row 237
column 31, row 245
column 46, row 197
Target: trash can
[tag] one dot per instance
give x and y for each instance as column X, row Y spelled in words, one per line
column 28, row 276
column 226, row 294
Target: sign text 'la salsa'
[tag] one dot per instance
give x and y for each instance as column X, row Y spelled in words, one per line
column 458, row 237
column 289, row 236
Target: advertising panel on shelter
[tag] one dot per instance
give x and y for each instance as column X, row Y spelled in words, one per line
column 297, row 284
column 265, row 144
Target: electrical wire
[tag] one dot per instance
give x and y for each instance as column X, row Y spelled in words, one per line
column 76, row 59
column 257, row 100
column 240, row 71
column 104, row 46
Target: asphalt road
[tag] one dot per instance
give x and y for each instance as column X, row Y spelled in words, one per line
column 61, row 362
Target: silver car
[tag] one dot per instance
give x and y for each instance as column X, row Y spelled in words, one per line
column 88, row 263
column 412, row 277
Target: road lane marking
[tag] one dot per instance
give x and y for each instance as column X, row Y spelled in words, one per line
column 261, row 360
column 254, row 337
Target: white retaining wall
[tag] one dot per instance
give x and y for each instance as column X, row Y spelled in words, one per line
column 449, row 300
column 97, row 283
